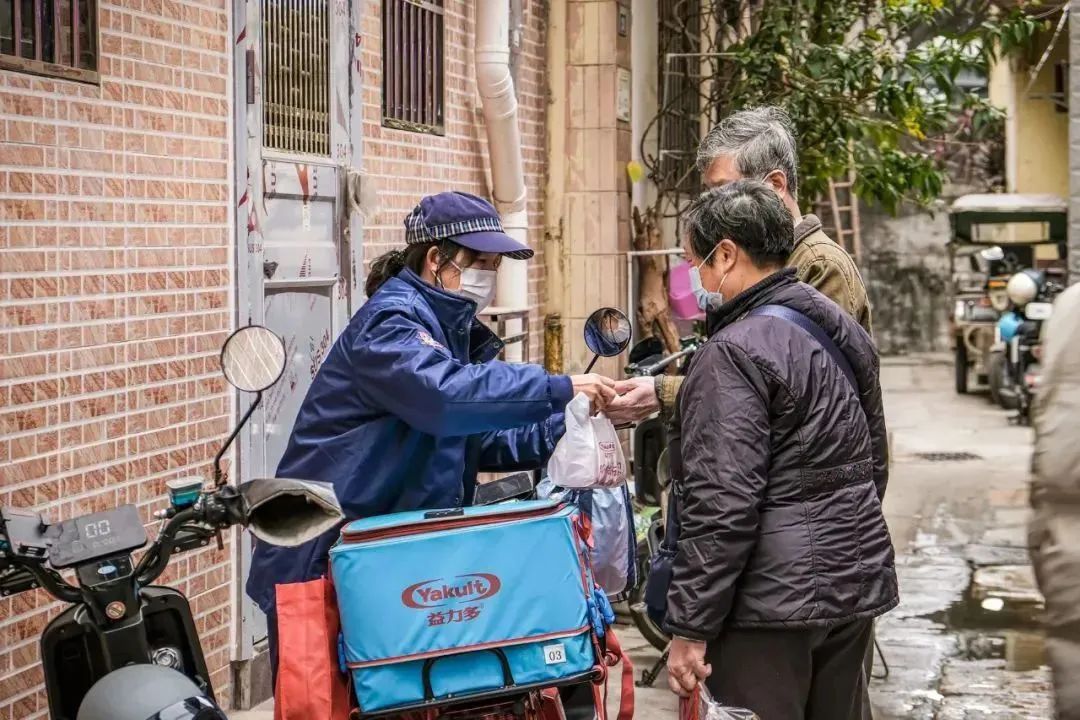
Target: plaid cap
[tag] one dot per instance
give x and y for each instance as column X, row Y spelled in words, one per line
column 469, row 221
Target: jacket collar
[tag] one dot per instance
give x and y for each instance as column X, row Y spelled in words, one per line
column 456, row 316
column 809, row 225
column 754, row 296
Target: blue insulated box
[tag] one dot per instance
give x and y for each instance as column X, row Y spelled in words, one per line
column 447, row 605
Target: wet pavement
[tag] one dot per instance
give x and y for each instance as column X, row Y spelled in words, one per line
column 964, row 644
column 965, row 640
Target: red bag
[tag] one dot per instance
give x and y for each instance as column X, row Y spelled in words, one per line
column 310, row 684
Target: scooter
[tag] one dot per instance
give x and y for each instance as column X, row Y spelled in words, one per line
column 652, row 476
column 1018, row 337
column 647, row 358
column 127, row 649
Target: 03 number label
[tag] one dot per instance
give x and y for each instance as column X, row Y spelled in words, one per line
column 555, row 654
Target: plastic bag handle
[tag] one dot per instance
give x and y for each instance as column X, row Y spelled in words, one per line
column 508, row 676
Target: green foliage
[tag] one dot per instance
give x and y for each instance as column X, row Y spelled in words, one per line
column 873, row 81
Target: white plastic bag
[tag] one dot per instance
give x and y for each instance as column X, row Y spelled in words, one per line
column 701, row 706
column 589, row 453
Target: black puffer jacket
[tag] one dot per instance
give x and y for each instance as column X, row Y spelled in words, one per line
column 781, row 473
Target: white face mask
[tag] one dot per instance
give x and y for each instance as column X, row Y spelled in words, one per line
column 478, row 286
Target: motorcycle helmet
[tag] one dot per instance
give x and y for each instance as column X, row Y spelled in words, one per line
column 1023, row 287
column 147, row 692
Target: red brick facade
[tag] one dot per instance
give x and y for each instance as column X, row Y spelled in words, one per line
column 116, row 292
column 115, row 273
column 408, row 165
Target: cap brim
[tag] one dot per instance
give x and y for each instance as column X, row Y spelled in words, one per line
column 494, row 242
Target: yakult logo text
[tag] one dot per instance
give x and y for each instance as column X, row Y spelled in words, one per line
column 436, row 593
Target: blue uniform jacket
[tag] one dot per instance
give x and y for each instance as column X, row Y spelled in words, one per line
column 408, row 406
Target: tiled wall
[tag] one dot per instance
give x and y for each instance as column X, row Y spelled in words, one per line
column 598, row 146
column 115, row 293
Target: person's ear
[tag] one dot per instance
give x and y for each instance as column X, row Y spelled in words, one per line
column 433, row 260
column 729, row 253
column 777, row 179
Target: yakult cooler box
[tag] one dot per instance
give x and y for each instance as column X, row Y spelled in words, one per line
column 449, row 605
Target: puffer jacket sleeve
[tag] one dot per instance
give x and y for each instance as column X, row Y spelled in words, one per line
column 399, row 367
column 524, row 448
column 870, row 399
column 724, row 412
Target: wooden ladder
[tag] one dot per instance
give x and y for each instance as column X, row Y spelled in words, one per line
column 844, row 208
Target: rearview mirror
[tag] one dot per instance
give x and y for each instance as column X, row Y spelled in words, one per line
column 253, row 358
column 607, row 333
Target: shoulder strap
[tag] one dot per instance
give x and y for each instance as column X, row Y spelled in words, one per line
column 814, row 330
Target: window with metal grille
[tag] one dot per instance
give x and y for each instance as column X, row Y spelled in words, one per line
column 57, row 38
column 680, row 80
column 413, row 79
column 296, row 76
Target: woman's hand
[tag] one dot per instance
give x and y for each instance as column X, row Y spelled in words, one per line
column 599, row 389
column 686, row 666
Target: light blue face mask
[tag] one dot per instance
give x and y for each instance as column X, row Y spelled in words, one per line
column 706, row 299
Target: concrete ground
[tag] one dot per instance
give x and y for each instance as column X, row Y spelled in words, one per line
column 957, row 522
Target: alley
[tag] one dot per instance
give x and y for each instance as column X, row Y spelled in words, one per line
column 957, row 508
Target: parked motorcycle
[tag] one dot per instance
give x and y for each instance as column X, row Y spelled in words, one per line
column 651, row 479
column 1018, row 342
column 647, row 547
column 648, row 358
column 127, row 649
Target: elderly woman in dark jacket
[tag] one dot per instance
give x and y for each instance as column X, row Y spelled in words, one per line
column 784, row 557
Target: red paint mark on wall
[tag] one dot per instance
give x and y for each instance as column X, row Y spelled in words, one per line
column 303, row 172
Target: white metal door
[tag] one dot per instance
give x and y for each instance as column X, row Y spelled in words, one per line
column 298, row 143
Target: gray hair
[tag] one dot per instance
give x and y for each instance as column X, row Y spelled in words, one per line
column 761, row 139
column 747, row 212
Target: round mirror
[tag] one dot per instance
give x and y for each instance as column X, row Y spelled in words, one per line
column 253, row 358
column 607, row 332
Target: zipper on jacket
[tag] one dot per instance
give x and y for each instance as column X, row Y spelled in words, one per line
column 425, row 526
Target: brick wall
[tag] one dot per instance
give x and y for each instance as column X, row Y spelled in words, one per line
column 115, row 293
column 407, row 166
column 115, row 279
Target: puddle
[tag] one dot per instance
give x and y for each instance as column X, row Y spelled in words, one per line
column 996, row 628
column 1021, row 650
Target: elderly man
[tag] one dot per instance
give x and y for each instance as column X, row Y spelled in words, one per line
column 1055, row 496
column 783, row 556
column 758, row 144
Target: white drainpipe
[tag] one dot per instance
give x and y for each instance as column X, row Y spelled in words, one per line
column 499, row 103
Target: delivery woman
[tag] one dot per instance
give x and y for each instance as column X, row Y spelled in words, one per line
column 410, row 404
